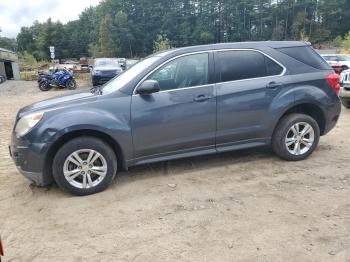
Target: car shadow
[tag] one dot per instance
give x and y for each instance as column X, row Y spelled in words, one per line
column 198, row 163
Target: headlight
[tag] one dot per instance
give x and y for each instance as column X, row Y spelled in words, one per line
column 26, row 123
column 97, row 72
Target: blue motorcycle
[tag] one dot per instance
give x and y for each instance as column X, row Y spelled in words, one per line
column 59, row 78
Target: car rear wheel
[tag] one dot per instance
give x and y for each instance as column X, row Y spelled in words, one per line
column 84, row 166
column 295, row 137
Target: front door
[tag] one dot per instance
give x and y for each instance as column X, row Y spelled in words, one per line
column 179, row 119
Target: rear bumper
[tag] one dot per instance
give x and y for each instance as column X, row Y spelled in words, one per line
column 29, row 160
column 332, row 116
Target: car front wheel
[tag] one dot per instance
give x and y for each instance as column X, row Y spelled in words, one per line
column 296, row 137
column 84, row 166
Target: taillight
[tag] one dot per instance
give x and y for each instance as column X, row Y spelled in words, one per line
column 333, row 81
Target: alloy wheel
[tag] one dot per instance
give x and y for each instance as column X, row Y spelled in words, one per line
column 300, row 138
column 85, row 168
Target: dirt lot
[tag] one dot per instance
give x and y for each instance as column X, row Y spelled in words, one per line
column 240, row 206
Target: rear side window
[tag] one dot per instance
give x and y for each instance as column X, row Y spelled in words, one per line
column 306, row 55
column 245, row 64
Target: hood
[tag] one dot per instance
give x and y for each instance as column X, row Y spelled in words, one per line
column 107, row 68
column 60, row 101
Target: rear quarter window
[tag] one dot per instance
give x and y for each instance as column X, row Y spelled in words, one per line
column 306, row 55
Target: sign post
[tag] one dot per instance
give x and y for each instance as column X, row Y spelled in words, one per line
column 52, row 51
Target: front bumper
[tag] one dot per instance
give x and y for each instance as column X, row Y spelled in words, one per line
column 102, row 79
column 29, row 160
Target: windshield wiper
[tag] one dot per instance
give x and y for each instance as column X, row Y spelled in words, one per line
column 96, row 90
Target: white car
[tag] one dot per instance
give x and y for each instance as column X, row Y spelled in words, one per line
column 340, row 60
column 344, row 93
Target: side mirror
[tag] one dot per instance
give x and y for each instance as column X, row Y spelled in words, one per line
column 148, row 87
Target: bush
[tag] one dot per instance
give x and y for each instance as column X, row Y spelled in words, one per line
column 29, row 75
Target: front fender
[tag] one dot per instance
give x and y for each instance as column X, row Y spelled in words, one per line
column 91, row 118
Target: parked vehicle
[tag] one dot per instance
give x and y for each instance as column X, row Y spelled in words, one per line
column 344, row 93
column 130, row 62
column 85, row 68
column 214, row 98
column 122, row 62
column 338, row 61
column 104, row 69
column 2, row 79
column 59, row 78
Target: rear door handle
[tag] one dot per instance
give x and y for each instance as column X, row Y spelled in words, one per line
column 202, row 98
column 273, row 85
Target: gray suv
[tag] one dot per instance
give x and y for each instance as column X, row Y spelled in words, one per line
column 180, row 103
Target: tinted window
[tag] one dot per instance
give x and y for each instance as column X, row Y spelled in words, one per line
column 272, row 68
column 238, row 65
column 187, row 71
column 306, row 55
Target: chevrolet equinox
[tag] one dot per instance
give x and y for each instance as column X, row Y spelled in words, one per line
column 180, row 103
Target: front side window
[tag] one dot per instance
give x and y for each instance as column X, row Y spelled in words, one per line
column 245, row 64
column 186, row 71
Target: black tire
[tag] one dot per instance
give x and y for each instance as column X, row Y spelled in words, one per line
column 281, row 131
column 44, row 86
column 71, row 84
column 346, row 103
column 80, row 143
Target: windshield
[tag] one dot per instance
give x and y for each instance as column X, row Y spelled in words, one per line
column 106, row 63
column 119, row 81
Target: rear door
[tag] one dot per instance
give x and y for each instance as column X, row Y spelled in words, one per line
column 248, row 82
column 181, row 117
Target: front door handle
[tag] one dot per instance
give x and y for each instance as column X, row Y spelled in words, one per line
column 273, row 85
column 202, row 98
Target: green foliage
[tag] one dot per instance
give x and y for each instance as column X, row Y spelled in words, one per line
column 161, row 43
column 206, row 37
column 28, row 59
column 107, row 44
column 337, row 42
column 29, row 75
column 346, row 41
column 130, row 28
column 8, row 43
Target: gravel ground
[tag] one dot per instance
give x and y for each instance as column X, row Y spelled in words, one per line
column 241, row 206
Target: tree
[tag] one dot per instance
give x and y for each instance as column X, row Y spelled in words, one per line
column 346, row 41
column 8, row 43
column 107, row 45
column 337, row 42
column 161, row 43
column 129, row 28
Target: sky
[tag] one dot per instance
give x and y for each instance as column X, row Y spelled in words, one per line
column 17, row 13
